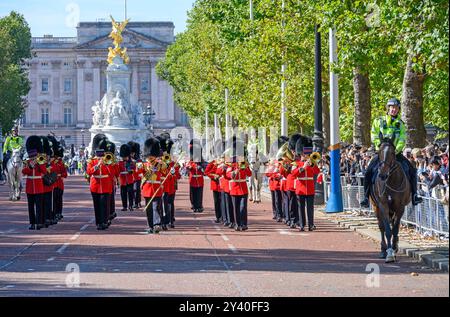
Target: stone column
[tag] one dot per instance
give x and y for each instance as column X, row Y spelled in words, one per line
column 155, row 92
column 56, row 109
column 135, row 79
column 80, row 94
column 96, row 65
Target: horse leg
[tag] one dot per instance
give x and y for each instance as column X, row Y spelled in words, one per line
column 395, row 230
column 388, row 233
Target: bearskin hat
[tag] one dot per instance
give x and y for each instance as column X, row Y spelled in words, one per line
column 136, row 149
column 195, row 151
column 125, row 150
column 47, row 149
column 152, row 147
column 34, row 145
column 303, row 143
column 107, row 146
column 96, row 141
column 54, row 144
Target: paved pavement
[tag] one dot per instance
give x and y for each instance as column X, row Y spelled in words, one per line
column 197, row 258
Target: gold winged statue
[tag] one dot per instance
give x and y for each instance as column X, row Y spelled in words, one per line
column 116, row 35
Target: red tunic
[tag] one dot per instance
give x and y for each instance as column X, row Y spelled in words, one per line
column 274, row 176
column 173, row 174
column 34, row 184
column 62, row 173
column 304, row 184
column 211, row 172
column 195, row 174
column 153, row 187
column 238, row 179
column 289, row 182
column 50, row 169
column 126, row 171
column 224, row 181
column 102, row 179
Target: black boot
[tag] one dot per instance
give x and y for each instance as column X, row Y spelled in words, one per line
column 413, row 181
column 365, row 202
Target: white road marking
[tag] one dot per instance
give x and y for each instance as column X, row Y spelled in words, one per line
column 84, row 227
column 61, row 249
column 158, row 270
column 232, row 248
column 75, row 236
column 51, row 259
column 224, row 237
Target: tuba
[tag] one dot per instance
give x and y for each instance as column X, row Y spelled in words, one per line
column 284, row 153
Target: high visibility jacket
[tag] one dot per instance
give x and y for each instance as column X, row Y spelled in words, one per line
column 12, row 143
column 392, row 128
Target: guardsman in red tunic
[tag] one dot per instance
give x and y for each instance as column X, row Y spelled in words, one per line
column 101, row 171
column 58, row 190
column 196, row 175
column 34, row 187
column 272, row 173
column 227, row 202
column 127, row 169
column 169, row 181
column 152, row 187
column 304, row 173
column 49, row 218
column 238, row 173
column 211, row 172
column 136, row 157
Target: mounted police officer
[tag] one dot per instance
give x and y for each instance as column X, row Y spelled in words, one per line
column 390, row 126
column 12, row 142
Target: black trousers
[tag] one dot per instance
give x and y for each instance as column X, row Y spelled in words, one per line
column 279, row 203
column 137, row 193
column 285, row 205
column 240, row 209
column 153, row 211
column 274, row 204
column 196, row 195
column 35, row 209
column 57, row 201
column 168, row 209
column 293, row 207
column 48, row 206
column 308, row 202
column 217, row 204
column 227, row 208
column 102, row 203
column 112, row 204
column 126, row 193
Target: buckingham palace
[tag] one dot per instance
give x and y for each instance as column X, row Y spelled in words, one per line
column 67, row 77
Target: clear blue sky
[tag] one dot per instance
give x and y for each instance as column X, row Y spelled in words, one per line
column 59, row 17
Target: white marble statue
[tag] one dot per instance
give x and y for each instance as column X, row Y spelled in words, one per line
column 97, row 111
column 119, row 110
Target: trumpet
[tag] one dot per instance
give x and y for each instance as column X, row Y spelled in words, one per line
column 166, row 157
column 109, row 158
column 315, row 157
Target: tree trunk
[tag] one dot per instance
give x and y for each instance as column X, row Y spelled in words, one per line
column 326, row 120
column 412, row 106
column 363, row 108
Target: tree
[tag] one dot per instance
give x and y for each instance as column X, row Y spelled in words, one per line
column 15, row 36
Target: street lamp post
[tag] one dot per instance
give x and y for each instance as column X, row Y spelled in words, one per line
column 148, row 115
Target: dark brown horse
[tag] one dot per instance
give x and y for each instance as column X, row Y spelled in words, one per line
column 390, row 194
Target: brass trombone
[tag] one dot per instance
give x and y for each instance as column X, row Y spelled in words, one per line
column 41, row 159
column 109, row 158
column 314, row 158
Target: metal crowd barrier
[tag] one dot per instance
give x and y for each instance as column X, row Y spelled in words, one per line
column 430, row 217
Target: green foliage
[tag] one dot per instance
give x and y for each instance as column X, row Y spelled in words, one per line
column 222, row 48
column 15, row 37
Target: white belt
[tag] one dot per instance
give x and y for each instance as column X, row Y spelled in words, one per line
column 238, row 181
column 33, row 177
column 101, row 176
column 197, row 176
column 124, row 173
column 153, row 182
column 306, row 178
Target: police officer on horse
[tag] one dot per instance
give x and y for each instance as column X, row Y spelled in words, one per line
column 12, row 142
column 390, row 126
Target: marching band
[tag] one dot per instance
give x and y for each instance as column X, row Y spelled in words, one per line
column 291, row 177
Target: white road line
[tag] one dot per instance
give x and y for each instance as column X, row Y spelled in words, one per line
column 61, row 249
column 241, row 260
column 17, row 255
column 224, row 237
column 51, row 259
column 232, row 248
column 75, row 236
column 84, row 227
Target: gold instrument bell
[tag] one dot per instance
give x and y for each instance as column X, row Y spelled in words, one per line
column 109, row 158
column 315, row 157
column 41, row 159
column 285, row 153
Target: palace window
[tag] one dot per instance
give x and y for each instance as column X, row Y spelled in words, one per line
column 44, row 116
column 44, row 86
column 67, row 85
column 67, row 116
